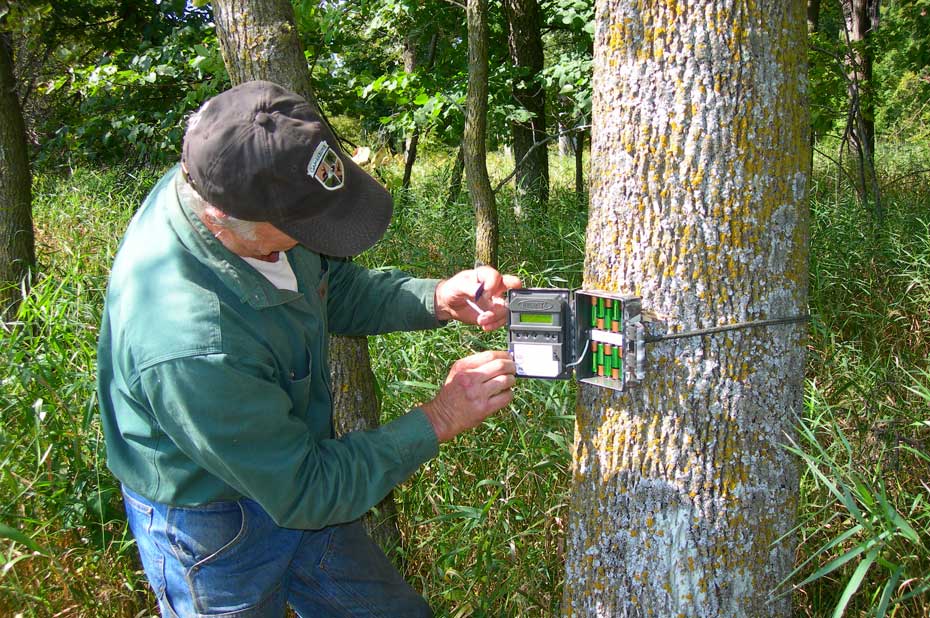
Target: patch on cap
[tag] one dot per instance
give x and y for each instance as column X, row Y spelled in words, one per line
column 326, row 166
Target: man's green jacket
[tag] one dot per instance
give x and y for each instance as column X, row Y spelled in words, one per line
column 214, row 384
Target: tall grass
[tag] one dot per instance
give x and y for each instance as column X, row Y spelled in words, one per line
column 483, row 523
column 54, row 487
column 864, row 439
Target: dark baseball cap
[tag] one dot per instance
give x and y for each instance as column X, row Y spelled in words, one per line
column 261, row 153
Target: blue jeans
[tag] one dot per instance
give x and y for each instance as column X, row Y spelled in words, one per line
column 230, row 559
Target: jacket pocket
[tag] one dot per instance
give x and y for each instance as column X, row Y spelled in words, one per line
column 299, row 392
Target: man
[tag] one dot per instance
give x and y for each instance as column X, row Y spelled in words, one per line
column 213, row 379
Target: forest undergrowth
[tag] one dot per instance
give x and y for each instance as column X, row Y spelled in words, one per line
column 483, row 523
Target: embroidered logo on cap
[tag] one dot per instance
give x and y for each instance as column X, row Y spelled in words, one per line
column 326, row 166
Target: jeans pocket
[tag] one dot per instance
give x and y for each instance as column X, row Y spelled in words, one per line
column 231, row 566
column 140, row 518
column 201, row 534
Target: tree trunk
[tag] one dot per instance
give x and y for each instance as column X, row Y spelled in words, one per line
column 259, row 41
column 526, row 50
column 455, row 178
column 813, row 26
column 410, row 65
column 813, row 16
column 860, row 25
column 17, row 240
column 683, row 497
column 356, row 408
column 579, row 164
column 861, row 20
column 565, row 141
column 473, row 143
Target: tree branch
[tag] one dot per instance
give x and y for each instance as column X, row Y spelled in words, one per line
column 536, row 145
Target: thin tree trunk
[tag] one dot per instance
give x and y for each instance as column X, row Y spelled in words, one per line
column 17, row 241
column 565, row 141
column 861, row 20
column 683, row 497
column 579, row 164
column 859, row 24
column 473, row 144
column 813, row 26
column 526, row 51
column 410, row 65
column 259, row 41
column 455, row 178
column 813, row 16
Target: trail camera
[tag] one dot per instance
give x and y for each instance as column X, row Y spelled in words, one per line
column 597, row 336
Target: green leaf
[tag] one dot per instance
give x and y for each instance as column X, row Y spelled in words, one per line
column 836, row 563
column 900, row 524
column 888, row 591
column 854, row 582
column 17, row 536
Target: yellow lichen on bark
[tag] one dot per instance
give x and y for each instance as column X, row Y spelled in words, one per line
column 697, row 204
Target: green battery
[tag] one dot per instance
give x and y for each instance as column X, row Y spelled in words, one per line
column 618, row 363
column 608, row 361
column 593, row 314
column 600, row 359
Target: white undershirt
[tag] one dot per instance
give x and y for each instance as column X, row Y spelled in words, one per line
column 279, row 273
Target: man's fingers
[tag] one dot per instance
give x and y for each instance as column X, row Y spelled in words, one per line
column 501, row 382
column 482, row 358
column 492, row 323
column 501, row 399
column 496, row 284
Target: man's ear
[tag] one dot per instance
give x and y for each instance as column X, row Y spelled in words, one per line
column 215, row 215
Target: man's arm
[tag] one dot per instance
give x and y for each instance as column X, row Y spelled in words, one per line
column 363, row 301
column 370, row 302
column 230, row 417
column 249, row 433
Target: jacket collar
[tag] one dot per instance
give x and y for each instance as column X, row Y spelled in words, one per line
column 247, row 283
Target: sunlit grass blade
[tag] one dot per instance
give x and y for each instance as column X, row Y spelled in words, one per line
column 854, row 582
column 888, row 591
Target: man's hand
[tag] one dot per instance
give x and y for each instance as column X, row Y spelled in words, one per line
column 477, row 386
column 458, row 297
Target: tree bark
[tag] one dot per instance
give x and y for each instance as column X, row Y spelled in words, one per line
column 17, row 240
column 473, row 143
column 526, row 51
column 813, row 15
column 579, row 163
column 683, row 497
column 813, row 26
column 356, row 407
column 455, row 178
column 565, row 141
column 861, row 20
column 259, row 41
